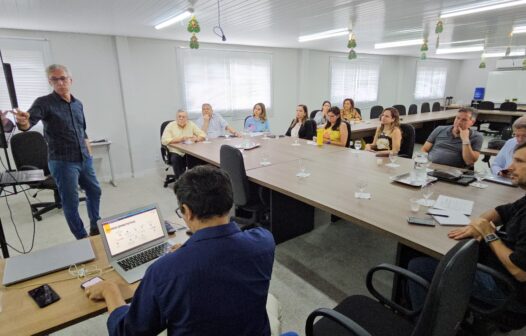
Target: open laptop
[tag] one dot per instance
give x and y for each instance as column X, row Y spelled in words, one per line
column 22, row 176
column 500, row 179
column 133, row 240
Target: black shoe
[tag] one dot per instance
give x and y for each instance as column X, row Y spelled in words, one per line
column 94, row 232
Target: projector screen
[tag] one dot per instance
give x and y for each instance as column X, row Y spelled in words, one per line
column 504, row 85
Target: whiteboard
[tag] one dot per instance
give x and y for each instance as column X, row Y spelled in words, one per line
column 504, row 85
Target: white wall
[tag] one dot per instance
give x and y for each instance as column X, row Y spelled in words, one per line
column 130, row 85
column 471, row 77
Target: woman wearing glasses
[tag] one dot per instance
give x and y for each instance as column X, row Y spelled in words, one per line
column 388, row 136
column 336, row 132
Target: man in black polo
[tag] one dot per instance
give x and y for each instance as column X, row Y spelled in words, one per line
column 70, row 161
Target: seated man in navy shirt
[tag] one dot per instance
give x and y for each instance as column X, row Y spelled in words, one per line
column 214, row 284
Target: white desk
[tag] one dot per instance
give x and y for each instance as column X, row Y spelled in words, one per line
column 106, row 144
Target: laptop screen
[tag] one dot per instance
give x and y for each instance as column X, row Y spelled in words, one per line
column 132, row 229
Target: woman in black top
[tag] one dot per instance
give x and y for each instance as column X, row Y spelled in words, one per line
column 302, row 126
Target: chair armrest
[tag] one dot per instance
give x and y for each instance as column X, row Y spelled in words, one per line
column 28, row 167
column 499, row 277
column 399, row 271
column 348, row 324
column 165, row 154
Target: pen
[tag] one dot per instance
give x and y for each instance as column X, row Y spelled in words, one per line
column 438, row 215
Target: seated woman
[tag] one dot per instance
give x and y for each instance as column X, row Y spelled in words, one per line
column 336, row 132
column 349, row 113
column 301, row 126
column 388, row 136
column 258, row 121
column 321, row 117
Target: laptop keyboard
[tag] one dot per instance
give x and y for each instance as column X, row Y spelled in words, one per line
column 143, row 257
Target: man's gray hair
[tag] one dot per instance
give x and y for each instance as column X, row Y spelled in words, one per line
column 520, row 123
column 54, row 67
column 180, row 111
column 473, row 112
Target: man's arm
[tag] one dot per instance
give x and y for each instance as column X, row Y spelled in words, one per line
column 470, row 231
column 470, row 155
column 108, row 291
column 206, row 123
column 231, row 130
column 505, row 154
column 426, row 147
column 88, row 146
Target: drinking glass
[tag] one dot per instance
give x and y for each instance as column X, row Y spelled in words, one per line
column 415, row 206
column 357, row 145
column 427, row 192
column 264, row 159
column 361, row 184
column 302, row 168
column 480, row 174
column 351, row 143
column 393, row 157
column 227, row 136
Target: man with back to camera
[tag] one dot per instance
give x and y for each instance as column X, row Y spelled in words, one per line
column 505, row 156
column 69, row 152
column 455, row 145
column 503, row 249
column 214, row 284
column 212, row 123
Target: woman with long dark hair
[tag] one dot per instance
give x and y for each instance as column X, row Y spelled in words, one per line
column 336, row 132
column 301, row 126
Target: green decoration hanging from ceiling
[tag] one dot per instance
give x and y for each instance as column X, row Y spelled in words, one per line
column 352, row 54
column 438, row 30
column 423, row 56
column 352, row 42
column 482, row 64
column 193, row 27
column 424, row 47
column 524, row 64
column 194, row 43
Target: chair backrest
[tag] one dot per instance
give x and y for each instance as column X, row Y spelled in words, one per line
column 486, row 105
column 30, row 149
column 413, row 109
column 165, row 154
column 425, row 108
column 376, row 110
column 359, row 111
column 450, row 290
column 408, row 141
column 508, row 106
column 507, row 133
column 347, row 143
column 313, row 114
column 231, row 161
column 163, row 126
column 400, row 108
column 245, row 122
column 436, row 107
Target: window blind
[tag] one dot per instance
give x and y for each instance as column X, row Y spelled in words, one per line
column 354, row 79
column 430, row 80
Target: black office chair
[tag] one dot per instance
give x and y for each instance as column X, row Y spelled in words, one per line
column 347, row 143
column 444, row 308
column 435, row 107
column 359, row 111
column 313, row 114
column 494, row 128
column 486, row 105
column 376, row 110
column 400, row 108
column 166, row 156
column 413, row 109
column 508, row 106
column 425, row 108
column 245, row 122
column 408, row 141
column 29, row 151
column 250, row 201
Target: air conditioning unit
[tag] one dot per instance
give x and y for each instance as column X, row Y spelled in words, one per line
column 510, row 63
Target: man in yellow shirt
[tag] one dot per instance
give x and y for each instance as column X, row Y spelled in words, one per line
column 180, row 130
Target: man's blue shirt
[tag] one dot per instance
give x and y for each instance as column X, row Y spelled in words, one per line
column 215, row 284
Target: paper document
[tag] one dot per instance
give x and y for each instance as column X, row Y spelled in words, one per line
column 454, row 204
column 449, row 217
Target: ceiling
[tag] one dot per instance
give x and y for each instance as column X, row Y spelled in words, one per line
column 277, row 23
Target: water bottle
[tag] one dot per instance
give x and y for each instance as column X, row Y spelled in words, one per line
column 420, row 167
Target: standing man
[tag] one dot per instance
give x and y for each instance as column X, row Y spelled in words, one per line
column 505, row 157
column 70, row 160
column 455, row 145
column 212, row 123
column 179, row 131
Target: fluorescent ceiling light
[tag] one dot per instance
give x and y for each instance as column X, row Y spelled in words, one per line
column 395, row 44
column 519, row 30
column 442, row 51
column 324, row 35
column 502, row 54
column 175, row 19
column 484, row 7
column 465, row 41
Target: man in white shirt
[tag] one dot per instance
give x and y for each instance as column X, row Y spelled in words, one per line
column 505, row 156
column 212, row 123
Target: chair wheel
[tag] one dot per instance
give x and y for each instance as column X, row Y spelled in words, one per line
column 38, row 218
column 166, row 185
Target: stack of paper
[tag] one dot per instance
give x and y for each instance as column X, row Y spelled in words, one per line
column 451, row 211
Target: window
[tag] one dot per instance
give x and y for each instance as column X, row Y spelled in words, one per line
column 232, row 82
column 430, row 80
column 28, row 74
column 356, row 79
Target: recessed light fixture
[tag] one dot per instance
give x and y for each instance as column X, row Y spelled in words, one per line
column 465, row 41
column 519, row 30
column 502, row 54
column 483, row 7
column 395, row 44
column 180, row 17
column 324, row 35
column 442, row 51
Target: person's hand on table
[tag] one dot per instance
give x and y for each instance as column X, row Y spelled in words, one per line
column 174, row 248
column 101, row 290
column 465, row 232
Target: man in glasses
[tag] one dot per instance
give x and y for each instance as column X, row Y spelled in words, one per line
column 69, row 152
column 505, row 157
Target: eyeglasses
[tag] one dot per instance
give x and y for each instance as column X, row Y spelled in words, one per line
column 519, row 136
column 178, row 212
column 58, row 79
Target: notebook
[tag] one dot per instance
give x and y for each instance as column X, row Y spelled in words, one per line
column 133, row 240
column 28, row 266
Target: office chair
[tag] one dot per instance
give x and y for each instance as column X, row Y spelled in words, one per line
column 435, row 107
column 359, row 111
column 425, row 108
column 29, row 151
column 166, row 156
column 251, row 205
column 376, row 110
column 444, row 308
column 400, row 108
column 413, row 109
column 508, row 106
column 348, row 142
column 313, row 114
column 486, row 105
column 494, row 128
column 245, row 122
column 408, row 141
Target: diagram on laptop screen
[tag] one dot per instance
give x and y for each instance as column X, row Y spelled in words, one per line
column 131, row 231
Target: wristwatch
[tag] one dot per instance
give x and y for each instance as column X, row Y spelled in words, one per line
column 466, row 143
column 491, row 238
